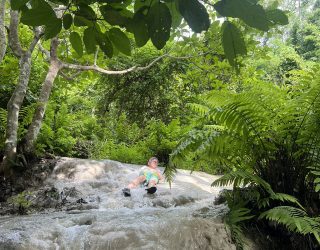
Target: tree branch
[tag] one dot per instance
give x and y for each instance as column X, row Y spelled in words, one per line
column 14, row 42
column 3, row 36
column 112, row 72
column 44, row 51
column 70, row 78
column 131, row 69
column 37, row 34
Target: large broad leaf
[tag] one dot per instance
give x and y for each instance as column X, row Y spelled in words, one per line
column 104, row 43
column 195, row 14
column 86, row 12
column 140, row 29
column 232, row 41
column 67, row 21
column 76, row 43
column 113, row 16
column 17, row 4
column 277, row 16
column 251, row 13
column 120, row 41
column 159, row 24
column 40, row 15
column 82, row 21
column 89, row 40
column 175, row 14
column 53, row 28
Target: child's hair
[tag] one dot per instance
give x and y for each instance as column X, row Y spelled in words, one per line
column 152, row 159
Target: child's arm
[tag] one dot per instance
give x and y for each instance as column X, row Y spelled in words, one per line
column 159, row 175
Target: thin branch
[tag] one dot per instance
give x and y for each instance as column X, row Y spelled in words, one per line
column 70, row 78
column 37, row 34
column 96, row 56
column 44, row 51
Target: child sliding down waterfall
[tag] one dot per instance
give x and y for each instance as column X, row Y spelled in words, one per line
column 149, row 176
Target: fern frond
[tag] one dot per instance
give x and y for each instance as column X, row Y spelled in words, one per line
column 3, row 119
column 295, row 219
column 286, row 197
column 242, row 178
column 198, row 108
column 233, row 220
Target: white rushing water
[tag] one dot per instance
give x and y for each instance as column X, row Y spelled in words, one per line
column 182, row 217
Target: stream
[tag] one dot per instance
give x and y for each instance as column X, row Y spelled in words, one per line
column 181, row 217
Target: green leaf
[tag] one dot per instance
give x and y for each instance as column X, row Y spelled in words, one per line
column 64, row 2
column 120, row 41
column 17, row 4
column 86, row 12
column 252, row 14
column 195, row 14
column 138, row 4
column 159, row 24
column 113, row 16
column 81, row 21
column 140, row 29
column 175, row 14
column 89, row 40
column 41, row 15
column 104, row 43
column 67, row 21
column 232, row 41
column 53, row 28
column 76, row 43
column 277, row 16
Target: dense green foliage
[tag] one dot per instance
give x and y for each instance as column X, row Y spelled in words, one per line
column 258, row 124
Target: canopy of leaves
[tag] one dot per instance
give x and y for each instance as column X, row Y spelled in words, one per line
column 145, row 19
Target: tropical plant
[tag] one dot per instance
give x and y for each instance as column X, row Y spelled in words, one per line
column 268, row 136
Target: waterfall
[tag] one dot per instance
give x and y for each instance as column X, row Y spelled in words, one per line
column 181, row 217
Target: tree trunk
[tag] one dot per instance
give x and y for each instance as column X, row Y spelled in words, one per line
column 13, row 108
column 3, row 37
column 15, row 102
column 35, row 126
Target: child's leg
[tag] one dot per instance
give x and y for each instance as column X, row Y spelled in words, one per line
column 152, row 183
column 136, row 182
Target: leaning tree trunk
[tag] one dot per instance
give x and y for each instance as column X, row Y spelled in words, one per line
column 34, row 128
column 13, row 108
column 3, row 37
column 18, row 95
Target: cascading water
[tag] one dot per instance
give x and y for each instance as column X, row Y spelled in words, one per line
column 182, row 217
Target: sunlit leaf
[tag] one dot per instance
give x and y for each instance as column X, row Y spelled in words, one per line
column 76, row 43
column 120, row 41
column 232, row 41
column 277, row 16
